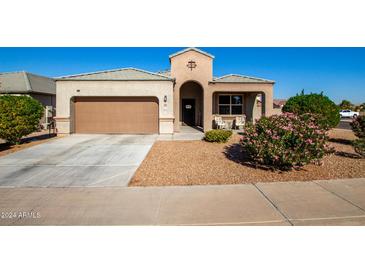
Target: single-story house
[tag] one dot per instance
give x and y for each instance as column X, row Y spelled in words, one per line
column 131, row 100
column 39, row 87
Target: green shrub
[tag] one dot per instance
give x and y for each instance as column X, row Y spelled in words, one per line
column 217, row 135
column 327, row 112
column 285, row 141
column 19, row 116
column 359, row 147
column 358, row 126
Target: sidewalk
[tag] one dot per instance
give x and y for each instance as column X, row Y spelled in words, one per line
column 335, row 202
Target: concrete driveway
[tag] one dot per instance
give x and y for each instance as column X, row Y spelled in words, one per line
column 77, row 160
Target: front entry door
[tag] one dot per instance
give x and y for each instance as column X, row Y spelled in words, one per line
column 188, row 112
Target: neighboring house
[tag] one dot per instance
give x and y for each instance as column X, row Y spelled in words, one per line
column 131, row 100
column 39, row 87
column 278, row 105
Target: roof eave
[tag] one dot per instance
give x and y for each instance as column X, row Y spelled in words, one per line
column 189, row 49
column 26, row 92
column 253, row 79
column 123, row 80
column 226, row 82
column 14, row 91
column 71, row 77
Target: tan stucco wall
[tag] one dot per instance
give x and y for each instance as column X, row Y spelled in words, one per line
column 250, row 92
column 45, row 99
column 250, row 106
column 66, row 90
column 203, row 74
column 170, row 112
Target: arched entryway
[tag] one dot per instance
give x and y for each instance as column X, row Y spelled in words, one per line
column 191, row 104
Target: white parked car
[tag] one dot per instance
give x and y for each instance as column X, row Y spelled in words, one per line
column 348, row 113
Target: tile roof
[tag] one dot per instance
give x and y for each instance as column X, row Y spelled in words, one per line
column 189, row 49
column 236, row 78
column 165, row 72
column 279, row 102
column 123, row 74
column 25, row 82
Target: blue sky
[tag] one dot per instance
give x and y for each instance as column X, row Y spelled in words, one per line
column 338, row 72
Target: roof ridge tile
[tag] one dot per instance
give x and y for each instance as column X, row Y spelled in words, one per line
column 242, row 76
column 112, row 70
column 188, row 49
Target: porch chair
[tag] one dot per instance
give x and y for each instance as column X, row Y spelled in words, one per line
column 240, row 122
column 219, row 122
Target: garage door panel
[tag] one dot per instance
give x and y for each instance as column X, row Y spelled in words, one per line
column 116, row 115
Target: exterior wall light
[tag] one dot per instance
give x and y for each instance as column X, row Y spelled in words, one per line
column 165, row 98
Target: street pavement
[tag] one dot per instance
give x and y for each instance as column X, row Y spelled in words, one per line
column 345, row 124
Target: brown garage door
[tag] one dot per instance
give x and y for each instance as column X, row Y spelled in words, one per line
column 116, row 115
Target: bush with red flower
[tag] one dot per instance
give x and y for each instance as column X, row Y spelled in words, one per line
column 285, row 141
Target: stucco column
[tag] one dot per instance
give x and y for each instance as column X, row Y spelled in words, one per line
column 249, row 102
column 208, row 110
column 177, row 108
column 268, row 99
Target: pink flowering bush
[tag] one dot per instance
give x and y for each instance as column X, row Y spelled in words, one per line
column 358, row 127
column 285, row 141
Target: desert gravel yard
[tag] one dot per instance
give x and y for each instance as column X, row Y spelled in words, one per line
column 199, row 162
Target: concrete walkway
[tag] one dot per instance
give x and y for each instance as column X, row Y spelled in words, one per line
column 186, row 133
column 335, row 202
column 77, row 160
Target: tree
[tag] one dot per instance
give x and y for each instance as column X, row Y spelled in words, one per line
column 326, row 111
column 346, row 104
column 19, row 116
column 362, row 107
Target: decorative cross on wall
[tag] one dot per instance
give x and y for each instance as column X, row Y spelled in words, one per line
column 191, row 64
